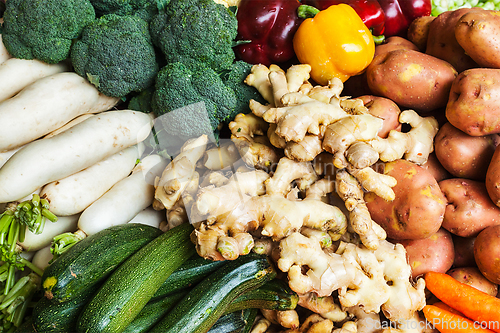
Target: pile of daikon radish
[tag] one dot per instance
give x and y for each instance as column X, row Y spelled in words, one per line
column 62, row 139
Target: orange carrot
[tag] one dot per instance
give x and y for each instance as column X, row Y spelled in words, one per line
column 444, row 306
column 470, row 301
column 448, row 322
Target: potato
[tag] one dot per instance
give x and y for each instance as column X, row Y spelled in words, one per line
column 418, row 209
column 435, row 168
column 464, row 251
column 418, row 31
column 394, row 43
column 477, row 32
column 434, row 253
column 411, row 79
column 463, row 155
column 492, row 180
column 474, row 102
column 383, row 108
column 487, row 253
column 473, row 277
column 469, row 209
column 442, row 43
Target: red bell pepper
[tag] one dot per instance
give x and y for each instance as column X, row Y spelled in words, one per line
column 369, row 11
column 269, row 26
column 400, row 13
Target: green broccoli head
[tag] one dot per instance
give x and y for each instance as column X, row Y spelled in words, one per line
column 234, row 78
column 44, row 29
column 119, row 7
column 191, row 101
column 115, row 53
column 201, row 30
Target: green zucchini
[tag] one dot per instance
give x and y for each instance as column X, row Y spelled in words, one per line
column 58, row 317
column 190, row 273
column 274, row 295
column 134, row 282
column 207, row 301
column 153, row 312
column 234, row 321
column 93, row 259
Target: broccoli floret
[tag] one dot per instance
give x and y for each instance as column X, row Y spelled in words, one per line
column 142, row 101
column 44, row 29
column 196, row 29
column 234, row 78
column 191, row 101
column 119, row 7
column 115, row 53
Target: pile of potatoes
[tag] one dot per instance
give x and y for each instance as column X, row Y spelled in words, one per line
column 447, row 211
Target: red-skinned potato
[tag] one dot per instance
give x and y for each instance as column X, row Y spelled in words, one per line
column 474, row 102
column 434, row 253
column 436, row 168
column 418, row 208
column 492, row 180
column 395, row 43
column 487, row 253
column 477, row 32
column 411, row 79
column 464, row 251
column 442, row 43
column 383, row 108
column 463, row 155
column 469, row 209
column 418, row 31
column 473, row 277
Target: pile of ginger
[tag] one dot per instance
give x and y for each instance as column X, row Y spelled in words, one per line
column 290, row 183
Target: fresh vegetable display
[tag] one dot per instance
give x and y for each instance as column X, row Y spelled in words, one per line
column 247, row 166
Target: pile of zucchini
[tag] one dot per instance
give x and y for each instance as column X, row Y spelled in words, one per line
column 135, row 278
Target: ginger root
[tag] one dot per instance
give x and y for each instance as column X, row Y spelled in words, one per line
column 351, row 192
column 414, row 145
column 377, row 280
column 248, row 133
column 179, row 173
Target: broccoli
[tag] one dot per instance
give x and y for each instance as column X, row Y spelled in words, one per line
column 119, row 7
column 440, row 6
column 196, row 29
column 44, row 29
column 234, row 78
column 191, row 101
column 115, row 53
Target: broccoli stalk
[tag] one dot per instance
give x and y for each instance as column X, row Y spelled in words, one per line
column 198, row 30
column 115, row 53
column 44, row 29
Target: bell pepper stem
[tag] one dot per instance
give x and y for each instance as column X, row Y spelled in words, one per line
column 306, row 11
column 379, row 39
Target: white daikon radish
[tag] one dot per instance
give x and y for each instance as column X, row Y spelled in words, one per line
column 4, row 54
column 46, row 105
column 71, row 195
column 34, row 242
column 46, row 160
column 42, row 258
column 72, row 123
column 4, row 156
column 125, row 199
column 150, row 217
column 16, row 74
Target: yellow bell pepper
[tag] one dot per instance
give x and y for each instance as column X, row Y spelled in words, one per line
column 335, row 43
